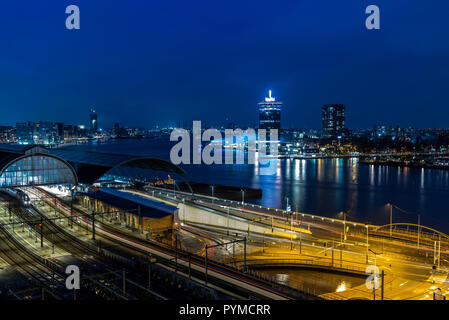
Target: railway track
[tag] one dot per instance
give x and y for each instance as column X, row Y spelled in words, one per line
column 218, row 274
column 43, row 272
column 102, row 272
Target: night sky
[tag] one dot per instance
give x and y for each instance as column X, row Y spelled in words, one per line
column 148, row 62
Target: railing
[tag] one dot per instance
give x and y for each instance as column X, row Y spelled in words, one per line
column 336, row 266
column 283, row 213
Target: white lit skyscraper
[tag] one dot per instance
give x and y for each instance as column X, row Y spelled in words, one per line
column 270, row 113
column 93, row 117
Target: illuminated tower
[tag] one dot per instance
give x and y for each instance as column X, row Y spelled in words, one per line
column 270, row 113
column 93, row 117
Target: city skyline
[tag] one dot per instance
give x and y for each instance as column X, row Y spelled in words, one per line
column 311, row 57
column 92, row 123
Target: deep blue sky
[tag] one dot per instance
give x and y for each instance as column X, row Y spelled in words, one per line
column 143, row 62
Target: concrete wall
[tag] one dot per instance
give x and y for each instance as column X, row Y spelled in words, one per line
column 192, row 214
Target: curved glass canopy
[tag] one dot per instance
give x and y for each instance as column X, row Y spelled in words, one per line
column 36, row 169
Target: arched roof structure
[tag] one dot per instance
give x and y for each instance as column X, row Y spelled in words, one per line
column 32, row 165
column 22, row 165
column 94, row 167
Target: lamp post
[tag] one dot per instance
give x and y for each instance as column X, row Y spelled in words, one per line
column 367, row 242
column 93, row 224
column 244, row 254
column 419, row 230
column 174, row 185
column 376, row 277
column 71, row 207
column 291, row 235
column 243, row 196
column 212, row 190
column 439, row 251
column 375, row 257
column 344, row 226
column 205, row 267
column 227, row 229
column 391, row 219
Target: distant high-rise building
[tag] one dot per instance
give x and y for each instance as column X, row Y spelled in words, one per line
column 116, row 129
column 7, row 134
column 42, row 132
column 93, row 117
column 333, row 118
column 270, row 113
column 24, row 132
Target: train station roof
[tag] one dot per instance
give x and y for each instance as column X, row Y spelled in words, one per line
column 24, row 165
column 91, row 166
column 86, row 166
column 9, row 152
column 131, row 202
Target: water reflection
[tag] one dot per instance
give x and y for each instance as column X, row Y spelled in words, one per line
column 297, row 169
column 342, row 287
column 422, row 178
column 316, row 281
column 287, row 168
column 371, row 174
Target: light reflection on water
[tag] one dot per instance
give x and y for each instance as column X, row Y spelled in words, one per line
column 317, row 281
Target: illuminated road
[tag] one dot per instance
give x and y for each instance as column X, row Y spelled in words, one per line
column 333, row 244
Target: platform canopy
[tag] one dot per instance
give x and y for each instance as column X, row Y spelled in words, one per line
column 94, row 167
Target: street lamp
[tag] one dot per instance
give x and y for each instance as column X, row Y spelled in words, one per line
column 174, row 188
column 212, row 189
column 391, row 218
column 375, row 257
column 174, row 185
column 419, row 229
column 243, row 196
column 344, row 225
column 376, row 277
column 367, row 242
column 227, row 229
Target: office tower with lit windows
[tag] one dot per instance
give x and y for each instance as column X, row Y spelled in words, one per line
column 24, row 132
column 333, row 119
column 270, row 113
column 42, row 132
